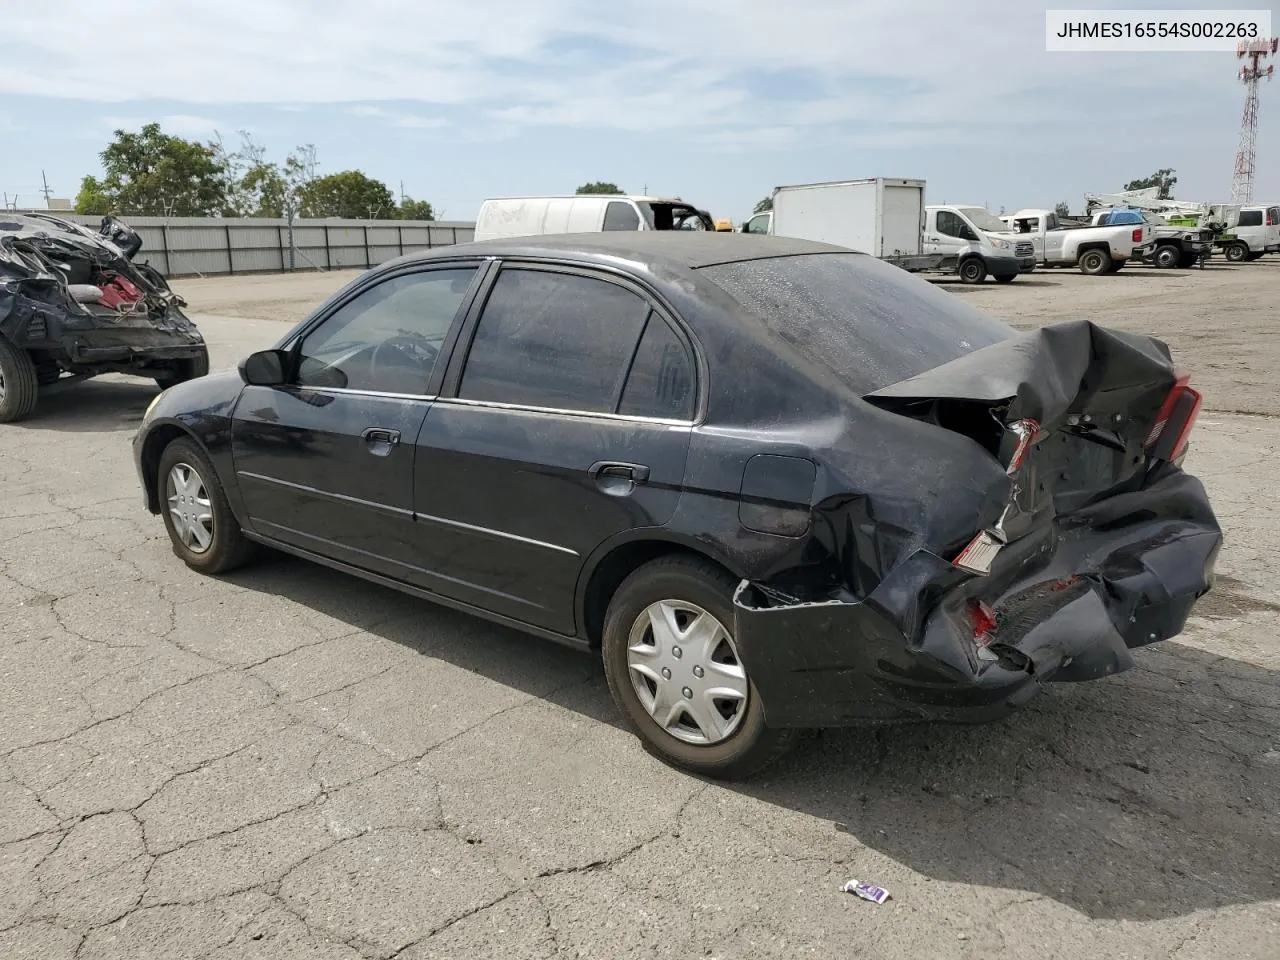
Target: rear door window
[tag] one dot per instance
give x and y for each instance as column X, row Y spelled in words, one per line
column 553, row 340
column 660, row 384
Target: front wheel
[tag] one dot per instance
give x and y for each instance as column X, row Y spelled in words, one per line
column 675, row 674
column 19, row 383
column 184, row 370
column 204, row 532
column 973, row 270
column 1095, row 262
column 1237, row 252
column 1167, row 257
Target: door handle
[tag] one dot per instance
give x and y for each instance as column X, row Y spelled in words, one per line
column 617, row 479
column 635, row 472
column 380, row 435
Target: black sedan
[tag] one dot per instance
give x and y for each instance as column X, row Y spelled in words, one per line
column 777, row 484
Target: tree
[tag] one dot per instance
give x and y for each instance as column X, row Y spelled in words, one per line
column 152, row 173
column 763, row 206
column 349, row 194
column 277, row 191
column 244, row 171
column 598, row 187
column 1163, row 178
column 91, row 200
column 411, row 209
column 1062, row 208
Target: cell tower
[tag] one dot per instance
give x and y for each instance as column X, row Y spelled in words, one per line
column 1253, row 52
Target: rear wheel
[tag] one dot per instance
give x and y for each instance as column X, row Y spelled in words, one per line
column 1096, row 262
column 204, row 532
column 19, row 383
column 973, row 270
column 674, row 671
column 184, row 370
column 1237, row 252
column 1167, row 257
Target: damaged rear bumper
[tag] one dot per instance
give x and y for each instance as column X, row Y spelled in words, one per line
column 1070, row 603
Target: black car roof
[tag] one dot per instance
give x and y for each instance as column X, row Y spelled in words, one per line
column 690, row 249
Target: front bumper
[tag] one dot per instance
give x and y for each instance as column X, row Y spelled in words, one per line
column 1071, row 602
column 1003, row 266
column 1026, row 264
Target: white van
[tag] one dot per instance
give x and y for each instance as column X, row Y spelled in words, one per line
column 975, row 243
column 589, row 213
column 1258, row 232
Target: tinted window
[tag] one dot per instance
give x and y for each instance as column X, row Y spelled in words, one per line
column 621, row 216
column 661, row 379
column 388, row 337
column 553, row 340
column 869, row 322
column 1250, row 218
column 757, row 224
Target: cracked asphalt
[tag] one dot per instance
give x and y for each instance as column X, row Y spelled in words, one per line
column 289, row 763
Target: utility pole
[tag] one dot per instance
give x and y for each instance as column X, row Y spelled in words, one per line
column 47, row 191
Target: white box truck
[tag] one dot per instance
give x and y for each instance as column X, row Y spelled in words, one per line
column 881, row 216
column 887, row 218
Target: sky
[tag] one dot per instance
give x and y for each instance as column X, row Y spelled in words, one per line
column 715, row 101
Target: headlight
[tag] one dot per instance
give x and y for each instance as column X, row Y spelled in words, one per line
column 999, row 244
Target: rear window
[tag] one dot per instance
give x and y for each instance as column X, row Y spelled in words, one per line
column 869, row 322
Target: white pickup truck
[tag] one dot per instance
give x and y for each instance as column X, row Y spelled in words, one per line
column 1095, row 250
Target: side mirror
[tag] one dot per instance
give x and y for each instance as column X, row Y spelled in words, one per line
column 266, row 368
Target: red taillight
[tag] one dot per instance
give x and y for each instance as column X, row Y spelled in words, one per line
column 1172, row 428
column 1137, row 235
column 1027, row 431
column 983, row 621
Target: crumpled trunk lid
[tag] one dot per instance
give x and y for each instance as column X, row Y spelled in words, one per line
column 1072, row 411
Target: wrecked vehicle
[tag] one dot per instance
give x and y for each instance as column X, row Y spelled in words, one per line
column 74, row 304
column 775, row 483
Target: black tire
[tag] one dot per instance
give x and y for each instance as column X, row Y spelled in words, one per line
column 1009, row 278
column 228, row 547
column 1237, row 252
column 1167, row 257
column 972, row 270
column 751, row 746
column 184, row 370
column 1096, row 262
column 19, row 383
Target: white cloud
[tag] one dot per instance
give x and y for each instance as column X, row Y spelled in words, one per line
column 175, row 124
column 398, row 119
column 185, row 125
column 875, row 73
